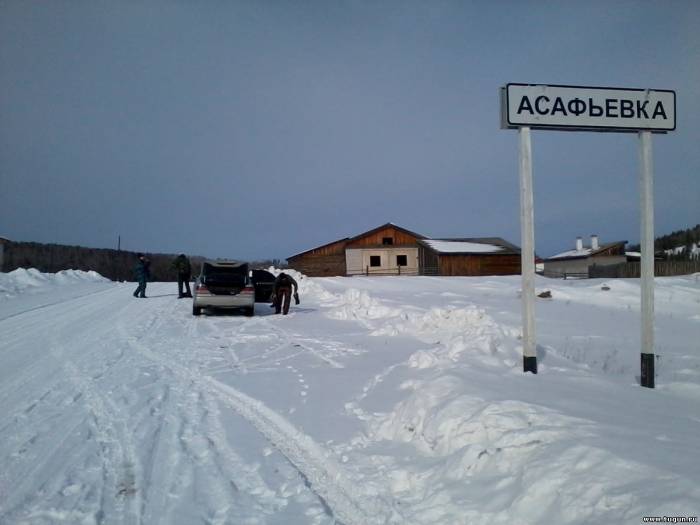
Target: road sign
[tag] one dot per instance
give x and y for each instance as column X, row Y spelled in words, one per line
column 645, row 111
column 588, row 108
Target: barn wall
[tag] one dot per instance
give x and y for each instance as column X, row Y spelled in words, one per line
column 358, row 261
column 480, row 264
column 559, row 268
column 500, row 265
column 319, row 265
column 429, row 261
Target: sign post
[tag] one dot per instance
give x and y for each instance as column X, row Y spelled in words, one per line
column 647, row 259
column 527, row 252
column 578, row 108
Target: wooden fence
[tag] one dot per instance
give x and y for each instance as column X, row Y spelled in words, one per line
column 631, row 269
column 398, row 270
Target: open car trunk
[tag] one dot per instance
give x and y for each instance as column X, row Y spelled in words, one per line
column 225, row 280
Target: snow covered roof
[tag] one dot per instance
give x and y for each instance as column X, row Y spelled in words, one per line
column 470, row 246
column 461, row 247
column 585, row 251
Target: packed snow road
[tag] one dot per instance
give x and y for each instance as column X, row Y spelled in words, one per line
column 377, row 400
column 113, row 413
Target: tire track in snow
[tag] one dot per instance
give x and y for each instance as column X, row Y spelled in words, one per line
column 190, row 453
column 164, row 402
column 323, row 475
column 121, row 468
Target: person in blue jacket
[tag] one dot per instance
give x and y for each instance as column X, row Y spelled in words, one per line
column 143, row 273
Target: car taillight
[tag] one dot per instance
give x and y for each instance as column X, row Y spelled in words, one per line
column 202, row 289
column 248, row 290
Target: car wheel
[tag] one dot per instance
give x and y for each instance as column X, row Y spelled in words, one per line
column 249, row 312
column 196, row 310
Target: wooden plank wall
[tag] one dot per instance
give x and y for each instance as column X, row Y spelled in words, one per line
column 336, row 248
column 631, row 270
column 375, row 239
column 479, row 264
column 319, row 265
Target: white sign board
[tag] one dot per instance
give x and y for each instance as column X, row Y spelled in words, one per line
column 588, row 108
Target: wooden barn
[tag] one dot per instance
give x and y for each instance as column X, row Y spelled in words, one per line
column 385, row 250
column 469, row 256
column 392, row 250
column 325, row 261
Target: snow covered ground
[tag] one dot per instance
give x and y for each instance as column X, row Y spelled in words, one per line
column 377, row 400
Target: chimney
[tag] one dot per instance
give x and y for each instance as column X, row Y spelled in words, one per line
column 579, row 244
column 594, row 242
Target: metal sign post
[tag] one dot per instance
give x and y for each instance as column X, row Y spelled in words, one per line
column 647, row 259
column 579, row 108
column 527, row 252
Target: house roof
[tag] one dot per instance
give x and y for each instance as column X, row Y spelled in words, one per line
column 350, row 239
column 471, row 246
column 585, row 252
column 345, row 239
column 384, row 226
column 452, row 246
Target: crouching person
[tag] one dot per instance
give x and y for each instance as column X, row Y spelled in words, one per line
column 282, row 292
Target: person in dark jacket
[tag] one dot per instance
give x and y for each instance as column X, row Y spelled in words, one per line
column 184, row 272
column 282, row 292
column 143, row 274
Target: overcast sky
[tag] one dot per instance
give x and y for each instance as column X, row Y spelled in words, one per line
column 256, row 129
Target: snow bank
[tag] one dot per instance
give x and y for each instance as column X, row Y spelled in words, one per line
column 452, row 330
column 32, row 280
column 455, row 453
column 307, row 286
column 487, row 460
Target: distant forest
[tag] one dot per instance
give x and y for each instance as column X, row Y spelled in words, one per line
column 684, row 239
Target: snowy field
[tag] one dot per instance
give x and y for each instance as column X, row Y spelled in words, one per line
column 396, row 400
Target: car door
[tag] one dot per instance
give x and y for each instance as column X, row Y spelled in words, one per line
column 263, row 281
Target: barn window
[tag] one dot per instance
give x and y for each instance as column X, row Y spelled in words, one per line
column 401, row 260
column 375, row 260
column 387, row 240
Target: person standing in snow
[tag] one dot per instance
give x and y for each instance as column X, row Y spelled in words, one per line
column 184, row 272
column 282, row 292
column 143, row 273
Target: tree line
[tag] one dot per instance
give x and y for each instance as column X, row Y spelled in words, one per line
column 680, row 241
